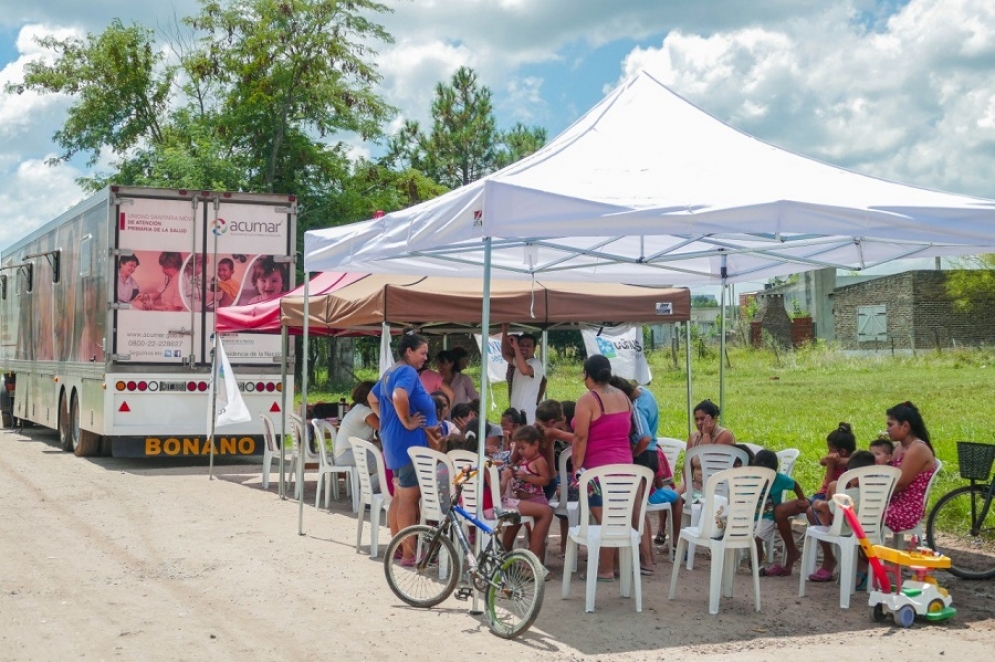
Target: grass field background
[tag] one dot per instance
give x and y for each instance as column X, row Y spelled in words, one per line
column 794, row 399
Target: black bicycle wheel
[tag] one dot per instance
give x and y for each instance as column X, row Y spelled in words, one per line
column 515, row 595
column 948, row 530
column 430, row 575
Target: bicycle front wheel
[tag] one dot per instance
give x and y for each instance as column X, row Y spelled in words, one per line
column 515, row 595
column 950, row 530
column 422, row 568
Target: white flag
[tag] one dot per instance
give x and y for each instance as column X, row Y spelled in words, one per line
column 497, row 367
column 231, row 407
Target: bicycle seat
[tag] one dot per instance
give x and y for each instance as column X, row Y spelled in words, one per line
column 509, row 516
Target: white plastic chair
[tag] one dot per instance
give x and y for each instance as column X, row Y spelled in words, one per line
column 786, row 460
column 378, row 502
column 746, row 488
column 462, row 458
column 328, row 471
column 672, row 449
column 271, row 449
column 714, row 458
column 426, row 462
column 298, row 442
column 754, row 448
column 898, row 537
column 876, row 485
column 620, row 487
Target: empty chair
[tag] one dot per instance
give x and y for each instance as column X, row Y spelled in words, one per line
column 623, row 489
column 713, row 458
column 299, row 444
column 745, row 489
column 364, row 452
column 876, row 484
column 328, row 471
column 898, row 537
column 272, row 449
column 462, row 459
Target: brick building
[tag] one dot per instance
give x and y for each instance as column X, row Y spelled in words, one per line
column 907, row 310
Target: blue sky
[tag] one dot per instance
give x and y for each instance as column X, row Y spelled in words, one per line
column 902, row 90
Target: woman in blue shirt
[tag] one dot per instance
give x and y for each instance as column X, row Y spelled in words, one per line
column 407, row 418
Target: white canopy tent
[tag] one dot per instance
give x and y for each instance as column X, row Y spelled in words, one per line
column 646, row 188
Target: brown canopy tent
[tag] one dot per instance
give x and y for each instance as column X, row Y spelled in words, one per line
column 443, row 304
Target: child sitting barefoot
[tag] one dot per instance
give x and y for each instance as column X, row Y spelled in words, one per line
column 841, row 444
column 882, row 449
column 777, row 514
column 822, row 513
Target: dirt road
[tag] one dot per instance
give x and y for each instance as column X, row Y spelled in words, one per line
column 105, row 559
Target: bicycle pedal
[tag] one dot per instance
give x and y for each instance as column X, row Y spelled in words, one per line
column 464, row 593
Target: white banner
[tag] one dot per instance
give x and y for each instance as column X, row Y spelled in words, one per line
column 386, row 355
column 497, row 367
column 623, row 346
column 231, row 407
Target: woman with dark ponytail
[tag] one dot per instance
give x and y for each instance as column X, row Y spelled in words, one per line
column 406, row 411
column 601, row 435
column 914, row 456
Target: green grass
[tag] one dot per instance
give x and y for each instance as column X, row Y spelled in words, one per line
column 794, row 399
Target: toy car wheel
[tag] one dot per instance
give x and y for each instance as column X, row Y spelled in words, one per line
column 905, row 616
column 877, row 613
column 935, row 605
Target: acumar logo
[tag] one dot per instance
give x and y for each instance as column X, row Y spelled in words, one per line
column 254, row 227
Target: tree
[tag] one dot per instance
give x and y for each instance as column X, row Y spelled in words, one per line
column 120, row 84
column 462, row 146
column 518, row 143
column 973, row 286
column 266, row 86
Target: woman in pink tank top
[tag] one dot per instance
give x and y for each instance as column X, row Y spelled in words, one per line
column 601, row 434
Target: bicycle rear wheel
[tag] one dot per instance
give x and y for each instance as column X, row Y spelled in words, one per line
column 515, row 595
column 428, row 577
column 949, row 531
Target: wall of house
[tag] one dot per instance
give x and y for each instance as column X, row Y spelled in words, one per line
column 919, row 313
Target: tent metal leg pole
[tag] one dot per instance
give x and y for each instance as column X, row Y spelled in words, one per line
column 282, row 441
column 687, row 366
column 303, row 440
column 485, row 330
column 722, row 353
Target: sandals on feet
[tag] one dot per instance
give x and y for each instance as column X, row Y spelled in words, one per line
column 861, row 581
column 821, row 575
column 660, row 539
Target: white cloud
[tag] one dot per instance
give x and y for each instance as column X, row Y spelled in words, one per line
column 34, row 193
column 912, row 101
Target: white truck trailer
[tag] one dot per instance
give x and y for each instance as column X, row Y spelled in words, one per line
column 107, row 313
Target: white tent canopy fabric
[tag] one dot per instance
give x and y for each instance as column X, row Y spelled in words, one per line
column 646, row 188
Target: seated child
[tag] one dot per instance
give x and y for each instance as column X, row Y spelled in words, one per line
column 882, row 449
column 525, row 480
column 841, row 444
column 822, row 513
column 777, row 513
column 549, row 419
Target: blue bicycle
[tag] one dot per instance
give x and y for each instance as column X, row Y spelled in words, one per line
column 423, row 568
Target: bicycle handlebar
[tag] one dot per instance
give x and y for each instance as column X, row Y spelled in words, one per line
column 469, row 472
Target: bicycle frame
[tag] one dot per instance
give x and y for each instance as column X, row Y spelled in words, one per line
column 977, row 519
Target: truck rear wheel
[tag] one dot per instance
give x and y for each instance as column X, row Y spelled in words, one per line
column 84, row 443
column 65, row 425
